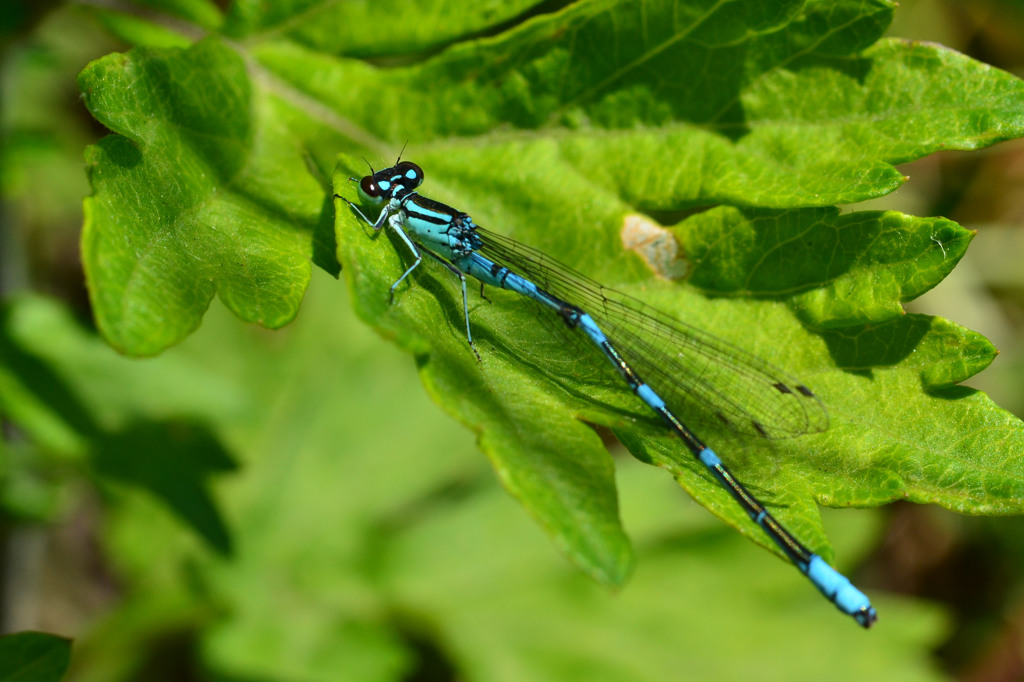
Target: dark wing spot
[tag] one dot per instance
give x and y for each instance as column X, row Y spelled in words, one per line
column 806, row 391
column 759, row 427
column 782, row 388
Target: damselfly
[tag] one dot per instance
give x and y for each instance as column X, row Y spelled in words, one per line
column 669, row 365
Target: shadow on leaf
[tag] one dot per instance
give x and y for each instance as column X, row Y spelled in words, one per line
column 171, row 460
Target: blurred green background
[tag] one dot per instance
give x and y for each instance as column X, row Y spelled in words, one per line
column 369, row 538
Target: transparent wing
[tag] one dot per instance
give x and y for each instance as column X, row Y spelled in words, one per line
column 700, row 377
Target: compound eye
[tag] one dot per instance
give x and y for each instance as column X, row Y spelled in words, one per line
column 412, row 175
column 368, row 186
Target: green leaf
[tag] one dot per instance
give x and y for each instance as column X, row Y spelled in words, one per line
column 183, row 199
column 411, row 27
column 234, row 140
column 835, row 270
column 33, row 657
column 557, row 131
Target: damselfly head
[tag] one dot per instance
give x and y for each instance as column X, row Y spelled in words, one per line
column 382, row 185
